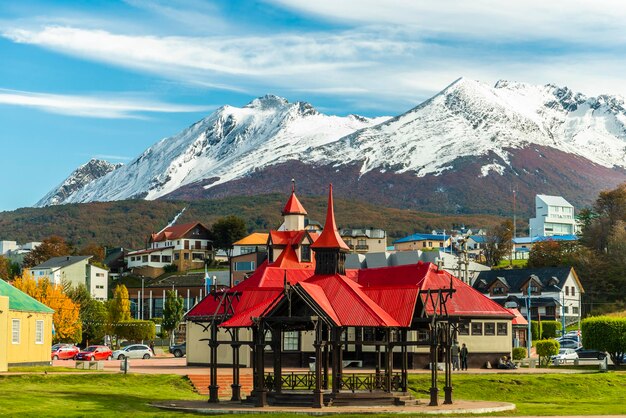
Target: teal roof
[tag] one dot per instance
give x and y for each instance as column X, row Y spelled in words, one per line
column 20, row 301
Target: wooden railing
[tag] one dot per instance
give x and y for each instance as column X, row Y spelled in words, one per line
column 349, row 381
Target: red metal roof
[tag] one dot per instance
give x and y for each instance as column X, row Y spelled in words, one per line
column 289, row 259
column 293, row 206
column 519, row 319
column 466, row 301
column 330, row 236
column 351, row 306
column 398, row 302
column 287, row 237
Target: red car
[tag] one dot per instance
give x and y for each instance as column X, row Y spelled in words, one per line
column 64, row 351
column 95, row 352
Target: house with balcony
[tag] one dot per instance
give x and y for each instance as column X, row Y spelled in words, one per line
column 248, row 253
column 553, row 216
column 554, row 291
column 186, row 246
column 75, row 270
column 369, row 240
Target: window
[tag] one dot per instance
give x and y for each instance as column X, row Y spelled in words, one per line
column 503, row 329
column 575, row 310
column 186, row 255
column 430, row 244
column 566, row 290
column 247, row 250
column 441, row 245
column 197, row 256
column 155, row 259
column 99, row 286
column 424, row 244
column 463, row 329
column 39, row 331
column 15, row 331
column 176, row 256
column 477, row 328
column 244, row 266
column 198, row 245
column 498, row 291
column 422, row 335
column 551, row 310
column 166, row 258
column 291, row 341
column 305, row 253
column 99, row 274
column 186, row 244
column 566, row 309
column 490, row 328
column 144, row 258
column 573, row 291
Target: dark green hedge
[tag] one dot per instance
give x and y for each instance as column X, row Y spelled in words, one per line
column 545, row 349
column 135, row 330
column 549, row 329
column 519, row 353
column 605, row 333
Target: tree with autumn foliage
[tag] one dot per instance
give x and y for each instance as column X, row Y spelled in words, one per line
column 66, row 317
column 95, row 251
column 53, row 246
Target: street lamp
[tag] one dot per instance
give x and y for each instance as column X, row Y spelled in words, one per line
column 530, row 335
column 562, row 310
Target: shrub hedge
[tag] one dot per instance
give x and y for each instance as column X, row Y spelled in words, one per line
column 135, row 330
column 549, row 329
column 546, row 349
column 519, row 353
column 605, row 333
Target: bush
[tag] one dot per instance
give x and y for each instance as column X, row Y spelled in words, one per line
column 546, row 349
column 535, row 330
column 605, row 333
column 135, row 330
column 519, row 353
column 170, row 268
column 549, row 329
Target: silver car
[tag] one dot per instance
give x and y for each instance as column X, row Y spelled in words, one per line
column 133, row 351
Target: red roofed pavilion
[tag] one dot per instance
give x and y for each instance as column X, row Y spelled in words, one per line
column 369, row 309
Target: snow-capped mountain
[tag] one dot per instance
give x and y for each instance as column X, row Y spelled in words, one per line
column 471, row 119
column 82, row 176
column 230, row 143
column 462, row 150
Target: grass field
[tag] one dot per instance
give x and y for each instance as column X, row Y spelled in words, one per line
column 51, row 395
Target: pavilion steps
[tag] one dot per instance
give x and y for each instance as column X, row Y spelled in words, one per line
column 201, row 384
column 305, row 399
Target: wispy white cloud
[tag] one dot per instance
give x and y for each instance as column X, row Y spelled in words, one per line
column 492, row 20
column 112, row 157
column 110, row 107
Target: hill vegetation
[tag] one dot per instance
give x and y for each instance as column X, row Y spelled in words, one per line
column 129, row 223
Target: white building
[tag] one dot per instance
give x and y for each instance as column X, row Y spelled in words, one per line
column 553, row 216
column 7, row 246
column 75, row 270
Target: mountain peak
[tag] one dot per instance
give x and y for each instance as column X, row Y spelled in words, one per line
column 268, row 101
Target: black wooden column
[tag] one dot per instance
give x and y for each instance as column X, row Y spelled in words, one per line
column 318, row 394
column 388, row 360
column 213, row 344
column 434, row 359
column 405, row 361
column 236, row 387
column 277, row 351
column 337, row 359
column 261, row 391
column 447, row 390
column 326, row 356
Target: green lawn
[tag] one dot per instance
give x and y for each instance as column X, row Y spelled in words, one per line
column 537, row 394
column 90, row 395
column 129, row 395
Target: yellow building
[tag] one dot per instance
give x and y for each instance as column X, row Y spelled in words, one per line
column 25, row 329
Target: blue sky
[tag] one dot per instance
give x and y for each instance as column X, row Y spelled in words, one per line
column 106, row 79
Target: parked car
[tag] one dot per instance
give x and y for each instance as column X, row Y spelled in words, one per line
column 569, row 342
column 133, row 351
column 565, row 354
column 584, row 353
column 179, row 350
column 95, row 352
column 64, row 352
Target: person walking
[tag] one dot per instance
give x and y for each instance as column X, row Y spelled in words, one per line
column 464, row 353
column 454, row 350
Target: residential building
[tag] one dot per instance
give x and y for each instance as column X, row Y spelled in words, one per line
column 422, row 242
column 25, row 329
column 370, row 240
column 553, row 216
column 187, row 246
column 255, row 242
column 554, row 291
column 7, row 246
column 75, row 270
column 523, row 245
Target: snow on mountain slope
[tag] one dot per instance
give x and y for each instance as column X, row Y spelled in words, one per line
column 82, row 176
column 471, row 119
column 228, row 144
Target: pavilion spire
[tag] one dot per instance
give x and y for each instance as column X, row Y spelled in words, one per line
column 330, row 249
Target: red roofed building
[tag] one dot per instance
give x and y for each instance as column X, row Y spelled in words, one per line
column 390, row 319
column 186, row 246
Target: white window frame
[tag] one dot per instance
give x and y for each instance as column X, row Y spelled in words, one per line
column 15, row 333
column 39, row 324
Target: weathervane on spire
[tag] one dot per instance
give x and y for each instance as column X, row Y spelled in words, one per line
column 293, row 185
